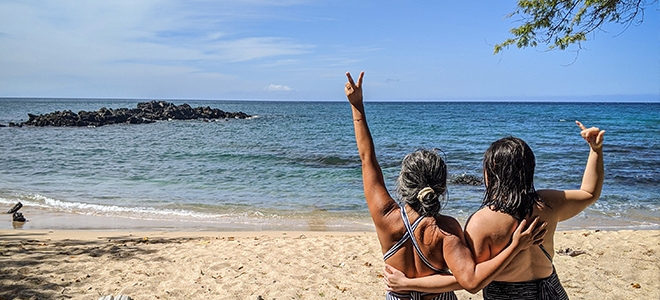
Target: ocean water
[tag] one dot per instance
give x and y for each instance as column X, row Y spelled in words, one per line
column 294, row 165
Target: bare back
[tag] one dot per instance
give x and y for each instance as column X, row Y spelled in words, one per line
column 430, row 235
column 489, row 240
column 488, row 231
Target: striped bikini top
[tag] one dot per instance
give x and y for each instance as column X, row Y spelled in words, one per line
column 409, row 235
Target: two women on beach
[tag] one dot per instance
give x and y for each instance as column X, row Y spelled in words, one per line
column 427, row 254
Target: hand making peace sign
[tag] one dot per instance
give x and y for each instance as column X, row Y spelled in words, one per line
column 354, row 91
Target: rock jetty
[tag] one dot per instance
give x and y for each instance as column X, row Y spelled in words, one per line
column 146, row 112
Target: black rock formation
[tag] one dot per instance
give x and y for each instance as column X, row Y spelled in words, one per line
column 466, row 179
column 146, row 112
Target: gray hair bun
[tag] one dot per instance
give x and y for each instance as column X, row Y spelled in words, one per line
column 423, row 179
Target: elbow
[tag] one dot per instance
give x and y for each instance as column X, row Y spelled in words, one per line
column 471, row 286
column 593, row 197
column 472, row 289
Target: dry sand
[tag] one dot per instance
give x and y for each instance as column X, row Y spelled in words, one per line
column 278, row 265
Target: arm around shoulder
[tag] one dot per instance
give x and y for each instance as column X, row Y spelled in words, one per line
column 398, row 282
column 473, row 276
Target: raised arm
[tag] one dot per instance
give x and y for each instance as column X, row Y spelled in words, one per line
column 469, row 275
column 571, row 202
column 378, row 199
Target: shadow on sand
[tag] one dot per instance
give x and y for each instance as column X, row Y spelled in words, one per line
column 29, row 268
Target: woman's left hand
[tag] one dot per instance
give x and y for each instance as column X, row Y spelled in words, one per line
column 527, row 236
column 394, row 279
column 354, row 90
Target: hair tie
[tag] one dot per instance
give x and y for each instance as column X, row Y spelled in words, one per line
column 425, row 191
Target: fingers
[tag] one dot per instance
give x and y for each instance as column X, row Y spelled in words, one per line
column 536, row 226
column 522, row 226
column 599, row 138
column 387, row 272
column 350, row 79
column 532, row 227
column 593, row 134
column 539, row 231
column 359, row 83
column 538, row 239
column 539, row 236
column 587, row 131
column 388, row 269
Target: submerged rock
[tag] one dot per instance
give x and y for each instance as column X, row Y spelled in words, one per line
column 146, row 112
column 466, row 179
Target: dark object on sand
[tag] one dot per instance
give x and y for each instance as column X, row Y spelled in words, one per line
column 146, row 112
column 570, row 252
column 15, row 208
column 18, row 217
column 118, row 297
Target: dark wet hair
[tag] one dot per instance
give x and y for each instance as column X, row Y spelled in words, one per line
column 509, row 169
column 422, row 181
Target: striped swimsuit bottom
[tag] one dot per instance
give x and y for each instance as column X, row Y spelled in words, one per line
column 543, row 289
column 419, row 295
column 548, row 288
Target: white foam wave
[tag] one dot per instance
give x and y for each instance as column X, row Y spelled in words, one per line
column 140, row 212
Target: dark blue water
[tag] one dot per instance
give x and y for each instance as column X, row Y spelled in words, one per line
column 295, row 164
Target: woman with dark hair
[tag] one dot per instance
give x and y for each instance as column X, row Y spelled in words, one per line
column 415, row 237
column 510, row 199
column 509, row 166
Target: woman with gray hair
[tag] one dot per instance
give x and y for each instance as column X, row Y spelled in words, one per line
column 432, row 243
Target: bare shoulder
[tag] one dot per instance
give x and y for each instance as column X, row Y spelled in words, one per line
column 390, row 227
column 488, row 221
column 449, row 225
column 439, row 228
column 554, row 202
column 488, row 232
column 552, row 198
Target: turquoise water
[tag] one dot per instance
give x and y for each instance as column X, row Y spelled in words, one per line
column 294, row 165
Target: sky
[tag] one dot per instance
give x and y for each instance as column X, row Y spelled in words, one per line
column 301, row 49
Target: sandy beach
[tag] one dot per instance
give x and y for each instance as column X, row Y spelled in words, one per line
column 85, row 264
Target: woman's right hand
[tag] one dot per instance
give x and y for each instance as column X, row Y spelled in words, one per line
column 394, row 279
column 353, row 90
column 532, row 234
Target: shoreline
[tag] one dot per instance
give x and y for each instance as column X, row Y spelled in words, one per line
column 88, row 264
column 44, row 219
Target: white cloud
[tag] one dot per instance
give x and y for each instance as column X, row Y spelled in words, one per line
column 277, row 87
